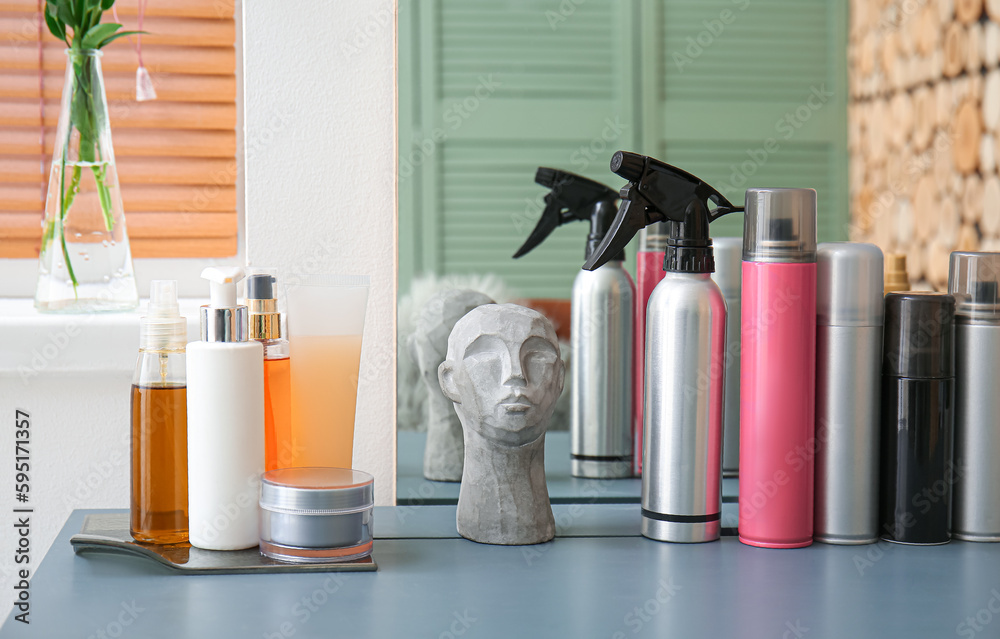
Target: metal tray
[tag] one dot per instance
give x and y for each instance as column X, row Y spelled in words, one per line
column 109, row 533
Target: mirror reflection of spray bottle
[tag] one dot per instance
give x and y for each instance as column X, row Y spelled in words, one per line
column 685, row 348
column 728, row 273
column 600, row 332
column 778, row 369
column 648, row 273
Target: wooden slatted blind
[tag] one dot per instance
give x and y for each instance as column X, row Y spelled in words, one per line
column 176, row 155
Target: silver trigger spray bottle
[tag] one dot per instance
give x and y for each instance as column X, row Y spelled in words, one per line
column 600, row 332
column 685, row 348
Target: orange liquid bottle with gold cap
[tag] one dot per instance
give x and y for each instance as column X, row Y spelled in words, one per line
column 265, row 327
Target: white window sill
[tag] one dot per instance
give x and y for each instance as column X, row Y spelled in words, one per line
column 35, row 343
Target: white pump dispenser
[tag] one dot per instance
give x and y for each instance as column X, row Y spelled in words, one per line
column 225, row 376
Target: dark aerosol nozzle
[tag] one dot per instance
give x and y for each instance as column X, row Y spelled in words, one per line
column 573, row 197
column 659, row 192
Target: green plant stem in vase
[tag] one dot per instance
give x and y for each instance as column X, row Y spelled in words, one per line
column 85, row 261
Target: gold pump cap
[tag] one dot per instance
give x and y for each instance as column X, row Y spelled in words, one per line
column 265, row 321
column 896, row 278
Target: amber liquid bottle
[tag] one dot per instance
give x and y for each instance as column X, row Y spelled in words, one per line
column 159, row 497
column 265, row 327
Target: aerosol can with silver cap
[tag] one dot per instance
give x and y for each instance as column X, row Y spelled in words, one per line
column 974, row 281
column 600, row 331
column 685, row 348
column 850, row 307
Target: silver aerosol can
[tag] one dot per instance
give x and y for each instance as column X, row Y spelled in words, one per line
column 600, row 332
column 685, row 349
column 973, row 281
column 728, row 275
column 849, row 317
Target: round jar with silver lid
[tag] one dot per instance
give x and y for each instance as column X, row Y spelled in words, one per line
column 316, row 515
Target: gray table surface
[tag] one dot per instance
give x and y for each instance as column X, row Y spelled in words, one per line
column 413, row 489
column 597, row 579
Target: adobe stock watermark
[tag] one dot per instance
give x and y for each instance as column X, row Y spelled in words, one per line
column 794, row 630
column 787, row 126
column 922, row 501
column 458, row 624
column 228, row 513
column 915, row 167
column 128, row 615
column 562, row 13
column 454, row 117
column 637, row 618
column 714, row 28
column 376, row 25
column 796, row 460
column 976, row 623
column 305, row 608
column 565, row 518
column 783, row 301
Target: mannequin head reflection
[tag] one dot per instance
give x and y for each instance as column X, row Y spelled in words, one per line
column 444, row 454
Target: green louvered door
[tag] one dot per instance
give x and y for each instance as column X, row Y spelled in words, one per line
column 490, row 90
column 750, row 93
column 740, row 92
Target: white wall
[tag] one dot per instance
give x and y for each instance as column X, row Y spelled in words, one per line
column 319, row 100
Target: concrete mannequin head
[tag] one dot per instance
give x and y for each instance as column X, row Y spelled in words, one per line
column 503, row 372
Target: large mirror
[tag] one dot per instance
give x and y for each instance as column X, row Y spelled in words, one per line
column 738, row 92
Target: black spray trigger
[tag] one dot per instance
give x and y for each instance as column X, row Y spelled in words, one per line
column 550, row 221
column 571, row 197
column 659, row 192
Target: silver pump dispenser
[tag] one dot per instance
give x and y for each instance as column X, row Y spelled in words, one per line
column 223, row 320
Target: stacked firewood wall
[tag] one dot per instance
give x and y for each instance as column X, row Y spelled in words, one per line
column 924, row 129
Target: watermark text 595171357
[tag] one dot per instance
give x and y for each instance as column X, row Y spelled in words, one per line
column 22, row 515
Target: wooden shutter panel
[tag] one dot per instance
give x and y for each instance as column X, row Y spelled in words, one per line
column 510, row 85
column 176, row 155
column 724, row 77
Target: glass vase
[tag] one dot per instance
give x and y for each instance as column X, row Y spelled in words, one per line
column 85, row 263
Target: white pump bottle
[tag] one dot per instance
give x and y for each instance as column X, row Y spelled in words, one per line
column 225, row 399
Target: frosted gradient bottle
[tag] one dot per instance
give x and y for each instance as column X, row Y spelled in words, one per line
column 648, row 273
column 778, row 369
column 326, row 320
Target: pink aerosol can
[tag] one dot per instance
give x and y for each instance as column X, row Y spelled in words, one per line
column 777, row 375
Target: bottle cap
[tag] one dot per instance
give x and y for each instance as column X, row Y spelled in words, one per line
column 896, row 278
column 223, row 320
column 728, row 265
column 974, row 280
column 163, row 327
column 316, row 490
column 919, row 337
column 849, row 284
column 265, row 320
column 780, row 226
